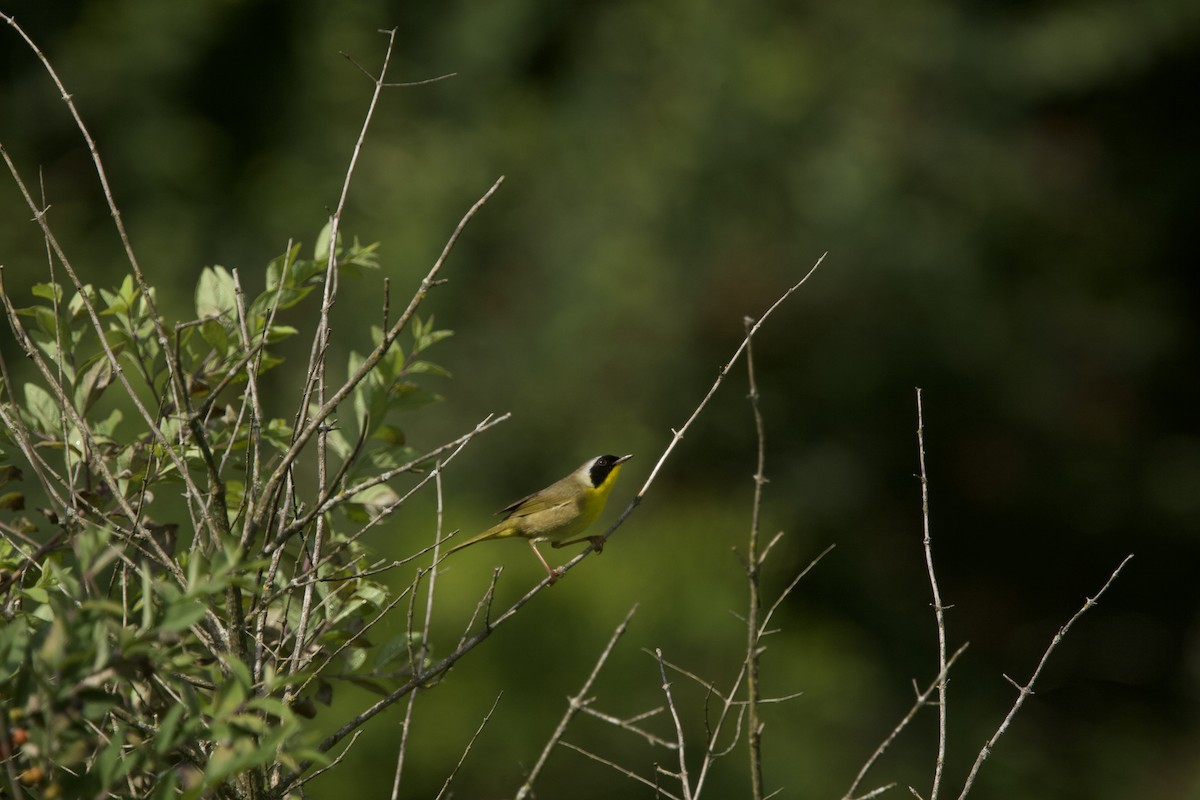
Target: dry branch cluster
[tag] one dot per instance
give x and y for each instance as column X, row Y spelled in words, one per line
column 194, row 577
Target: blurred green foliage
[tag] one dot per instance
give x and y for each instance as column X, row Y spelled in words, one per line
column 1006, row 194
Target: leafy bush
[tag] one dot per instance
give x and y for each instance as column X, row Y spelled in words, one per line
column 158, row 647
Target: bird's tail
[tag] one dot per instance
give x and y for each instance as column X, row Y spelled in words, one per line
column 501, row 531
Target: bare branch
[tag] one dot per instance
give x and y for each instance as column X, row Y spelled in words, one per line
column 160, row 330
column 317, row 773
column 470, row 744
column 417, row 659
column 920, row 702
column 470, row 642
column 875, row 792
column 938, row 608
column 627, row 773
column 666, row 687
column 754, row 601
column 1027, row 689
column 678, row 434
column 574, row 706
column 331, row 499
column 788, row 589
column 630, row 724
column 303, row 434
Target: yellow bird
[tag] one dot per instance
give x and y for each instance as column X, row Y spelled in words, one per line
column 561, row 511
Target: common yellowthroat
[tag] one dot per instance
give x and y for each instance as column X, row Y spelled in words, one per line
column 564, row 509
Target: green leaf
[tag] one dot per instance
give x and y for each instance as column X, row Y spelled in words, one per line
column 37, row 594
column 50, row 291
column 47, row 415
column 428, row 367
column 46, row 320
column 321, row 248
column 215, row 293
column 121, row 303
column 92, row 383
column 75, row 308
column 9, row 473
column 107, row 427
column 310, row 273
column 110, row 757
column 249, row 723
column 338, row 441
column 167, row 786
column 242, row 673
column 228, row 699
column 391, row 651
column 215, row 335
column 376, row 500
column 406, row 396
column 164, row 739
column 277, row 268
column 373, row 593
column 390, row 434
column 354, row 657
column 278, row 333
column 392, row 457
column 14, row 645
column 271, row 705
column 147, row 598
column 97, row 704
column 430, row 338
column 181, row 616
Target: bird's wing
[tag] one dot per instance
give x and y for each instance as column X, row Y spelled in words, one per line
column 538, row 501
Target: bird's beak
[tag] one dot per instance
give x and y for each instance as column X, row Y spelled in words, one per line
column 623, row 459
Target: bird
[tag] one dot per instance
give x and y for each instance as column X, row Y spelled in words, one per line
column 559, row 513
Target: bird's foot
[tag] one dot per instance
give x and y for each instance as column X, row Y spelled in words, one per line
column 598, row 543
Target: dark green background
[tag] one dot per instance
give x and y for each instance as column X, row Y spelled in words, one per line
column 1007, row 195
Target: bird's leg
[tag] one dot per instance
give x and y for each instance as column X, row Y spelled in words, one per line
column 553, row 573
column 597, row 542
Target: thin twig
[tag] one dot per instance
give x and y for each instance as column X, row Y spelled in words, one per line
column 469, row 643
column 729, row 703
column 318, row 418
column 679, row 738
column 319, row 772
column 470, row 744
column 658, row 790
column 144, row 287
column 333, row 499
column 1027, row 689
column 405, row 728
column 701, row 682
column 484, row 606
column 677, row 435
column 938, row 608
column 787, row 590
column 754, row 602
column 418, row 658
column 144, row 538
column 628, row 724
column 875, row 792
column 318, row 669
column 920, row 702
column 574, row 706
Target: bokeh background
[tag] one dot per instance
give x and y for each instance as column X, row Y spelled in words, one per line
column 1006, row 192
